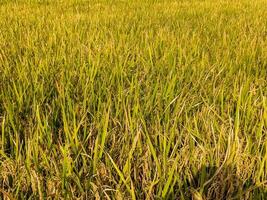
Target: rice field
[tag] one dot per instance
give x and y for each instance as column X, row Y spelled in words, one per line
column 133, row 99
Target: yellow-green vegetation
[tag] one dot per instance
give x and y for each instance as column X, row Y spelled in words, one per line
column 136, row 99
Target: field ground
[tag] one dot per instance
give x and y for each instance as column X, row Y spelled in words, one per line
column 133, row 99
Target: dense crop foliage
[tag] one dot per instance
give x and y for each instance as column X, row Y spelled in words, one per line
column 133, row 99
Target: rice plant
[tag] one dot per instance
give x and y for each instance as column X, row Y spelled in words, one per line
column 124, row 99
